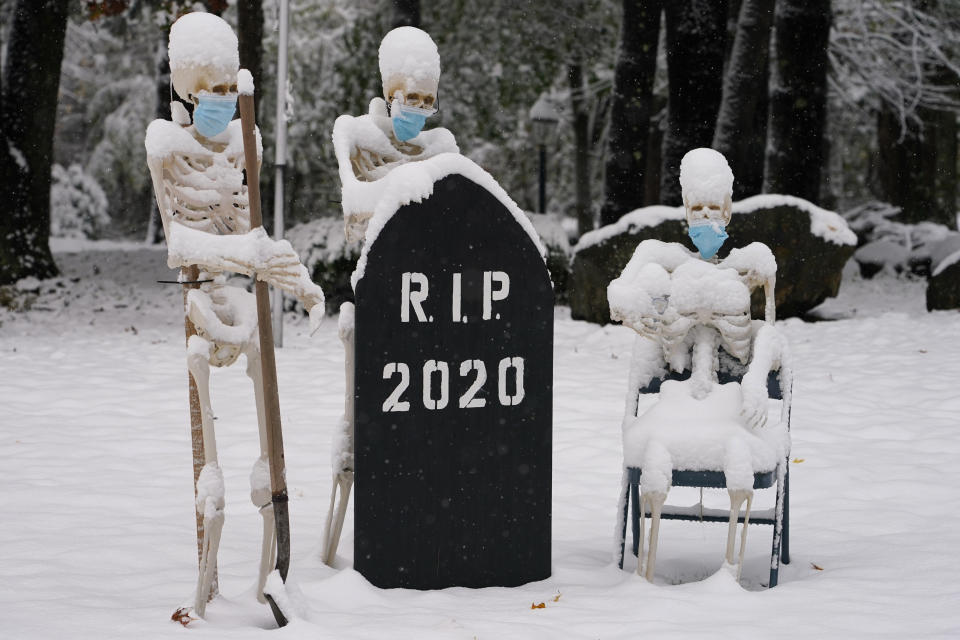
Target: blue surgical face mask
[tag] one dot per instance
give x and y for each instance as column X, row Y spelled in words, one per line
column 214, row 112
column 708, row 237
column 408, row 121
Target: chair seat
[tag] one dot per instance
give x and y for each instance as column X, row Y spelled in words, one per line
column 707, row 479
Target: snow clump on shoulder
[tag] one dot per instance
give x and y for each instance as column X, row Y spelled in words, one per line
column 705, row 176
column 410, row 52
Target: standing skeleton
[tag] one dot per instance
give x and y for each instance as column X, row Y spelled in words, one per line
column 368, row 148
column 198, row 182
column 686, row 308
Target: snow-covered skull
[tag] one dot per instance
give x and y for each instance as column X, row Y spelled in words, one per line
column 204, row 56
column 410, row 68
column 707, row 185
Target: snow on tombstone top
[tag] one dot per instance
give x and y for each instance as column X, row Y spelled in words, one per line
column 705, row 177
column 409, row 61
column 203, row 53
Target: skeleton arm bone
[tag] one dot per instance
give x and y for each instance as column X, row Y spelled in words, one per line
column 250, row 253
column 646, row 363
column 770, row 353
column 757, row 266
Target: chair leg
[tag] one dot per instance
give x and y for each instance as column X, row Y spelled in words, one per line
column 637, row 514
column 623, row 507
column 786, row 515
column 780, row 510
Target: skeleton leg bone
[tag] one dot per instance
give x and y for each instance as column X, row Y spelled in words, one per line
column 342, row 484
column 737, row 498
column 260, row 490
column 343, row 457
column 655, row 500
column 210, row 490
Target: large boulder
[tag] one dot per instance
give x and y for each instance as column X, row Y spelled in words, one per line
column 811, row 246
column 943, row 286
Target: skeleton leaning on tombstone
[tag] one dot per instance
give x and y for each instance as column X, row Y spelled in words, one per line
column 368, row 148
column 692, row 312
column 197, row 172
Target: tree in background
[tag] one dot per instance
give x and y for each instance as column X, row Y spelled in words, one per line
column 798, row 97
column 631, row 109
column 406, row 13
column 897, row 61
column 696, row 35
column 741, row 129
column 28, row 107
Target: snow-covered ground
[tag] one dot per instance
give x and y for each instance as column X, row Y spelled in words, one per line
column 97, row 533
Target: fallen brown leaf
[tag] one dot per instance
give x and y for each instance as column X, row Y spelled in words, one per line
column 798, row 460
column 182, row 615
column 816, row 566
column 542, row 605
column 556, row 598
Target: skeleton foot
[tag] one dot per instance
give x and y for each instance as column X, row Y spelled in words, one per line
column 342, row 484
column 737, row 498
column 210, row 503
column 655, row 500
column 261, row 497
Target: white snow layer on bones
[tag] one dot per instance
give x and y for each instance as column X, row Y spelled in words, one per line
column 823, row 223
column 413, row 182
column 705, row 176
column 202, row 39
column 408, row 51
column 248, row 253
column 370, row 132
column 165, row 139
column 681, row 432
column 206, row 311
column 659, row 269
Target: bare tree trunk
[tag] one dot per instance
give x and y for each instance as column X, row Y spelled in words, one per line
column 406, row 13
column 631, row 109
column 742, row 123
column 581, row 137
column 696, row 33
column 798, row 99
column 28, row 109
column 250, row 36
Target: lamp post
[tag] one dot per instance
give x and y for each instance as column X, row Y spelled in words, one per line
column 543, row 124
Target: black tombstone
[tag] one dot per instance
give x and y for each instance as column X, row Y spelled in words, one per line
column 454, row 377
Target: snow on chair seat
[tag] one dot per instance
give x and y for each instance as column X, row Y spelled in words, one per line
column 698, row 475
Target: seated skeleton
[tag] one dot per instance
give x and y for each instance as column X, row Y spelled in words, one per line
column 692, row 313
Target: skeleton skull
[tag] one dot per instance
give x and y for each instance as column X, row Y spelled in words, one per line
column 707, row 184
column 410, row 68
column 204, row 56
